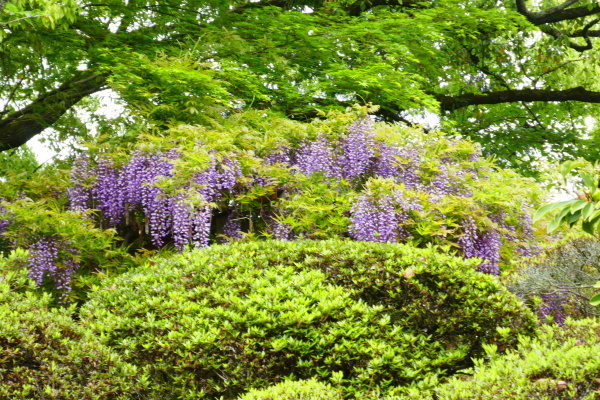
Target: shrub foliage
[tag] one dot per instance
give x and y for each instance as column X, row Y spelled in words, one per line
column 44, row 354
column 373, row 317
column 561, row 363
column 560, row 281
column 295, row 390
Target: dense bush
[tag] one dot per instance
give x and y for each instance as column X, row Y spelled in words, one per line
column 44, row 354
column 295, row 390
column 559, row 283
column 561, row 363
column 376, row 317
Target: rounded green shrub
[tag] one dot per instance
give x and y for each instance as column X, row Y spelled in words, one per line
column 295, row 390
column 373, row 317
column 561, row 363
column 44, row 354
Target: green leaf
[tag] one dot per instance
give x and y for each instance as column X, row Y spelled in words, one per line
column 589, row 225
column 578, row 205
column 587, row 211
column 558, row 219
column 573, row 218
column 595, row 301
column 588, row 180
column 551, row 207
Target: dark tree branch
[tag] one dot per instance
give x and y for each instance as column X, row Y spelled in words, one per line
column 359, row 6
column 556, row 33
column 559, row 13
column 449, row 103
column 250, row 5
column 20, row 126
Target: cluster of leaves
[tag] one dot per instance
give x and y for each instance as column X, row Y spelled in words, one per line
column 376, row 318
column 560, row 363
column 46, row 355
column 584, row 209
column 64, row 251
column 310, row 389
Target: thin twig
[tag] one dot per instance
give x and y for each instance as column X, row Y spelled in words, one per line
column 22, row 18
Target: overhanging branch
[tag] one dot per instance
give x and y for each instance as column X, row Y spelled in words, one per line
column 559, row 13
column 449, row 103
column 20, row 126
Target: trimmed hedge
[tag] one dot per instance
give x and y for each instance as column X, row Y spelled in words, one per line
column 381, row 318
column 561, row 363
column 295, row 390
column 44, row 354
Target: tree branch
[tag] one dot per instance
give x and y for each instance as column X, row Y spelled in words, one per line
column 556, row 34
column 556, row 14
column 258, row 4
column 20, row 126
column 449, row 103
column 360, row 6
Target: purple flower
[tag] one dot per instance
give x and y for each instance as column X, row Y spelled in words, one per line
column 80, row 195
column 358, row 150
column 53, row 258
column 318, row 156
column 484, row 245
column 233, row 226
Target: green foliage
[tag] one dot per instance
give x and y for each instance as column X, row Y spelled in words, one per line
column 23, row 14
column 560, row 363
column 98, row 253
column 569, row 268
column 44, row 354
column 194, row 64
column 584, row 209
column 294, row 390
column 17, row 162
column 372, row 318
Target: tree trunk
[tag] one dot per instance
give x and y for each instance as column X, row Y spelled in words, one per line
column 20, row 126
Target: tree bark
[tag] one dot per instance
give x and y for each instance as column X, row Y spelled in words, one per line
column 22, row 125
column 449, row 103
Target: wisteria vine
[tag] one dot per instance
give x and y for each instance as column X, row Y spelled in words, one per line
column 132, row 194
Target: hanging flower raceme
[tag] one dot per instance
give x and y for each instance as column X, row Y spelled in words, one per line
column 358, row 150
column 53, row 258
column 484, row 245
column 377, row 217
column 80, row 194
column 136, row 188
column 318, row 156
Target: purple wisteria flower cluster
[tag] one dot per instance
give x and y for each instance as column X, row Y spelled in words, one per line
column 356, row 156
column 553, row 308
column 381, row 219
column 53, row 258
column 484, row 245
column 133, row 196
column 184, row 217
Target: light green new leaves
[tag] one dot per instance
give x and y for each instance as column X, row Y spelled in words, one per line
column 584, row 209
